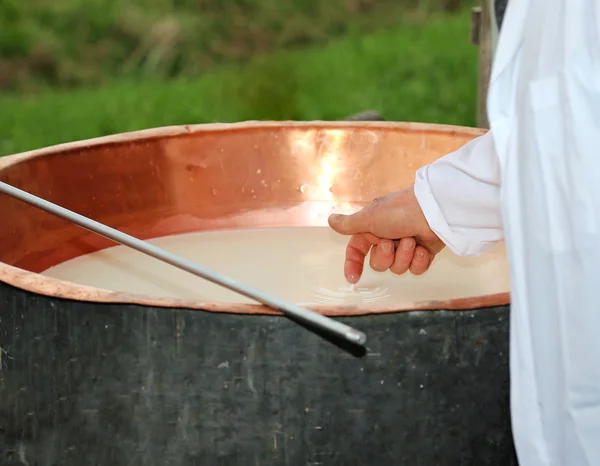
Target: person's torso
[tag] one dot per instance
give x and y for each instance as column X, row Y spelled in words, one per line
column 544, row 112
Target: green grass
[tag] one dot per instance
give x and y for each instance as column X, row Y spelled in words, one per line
column 82, row 42
column 413, row 72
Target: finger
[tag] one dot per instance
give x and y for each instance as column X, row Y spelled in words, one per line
column 356, row 251
column 382, row 255
column 351, row 224
column 421, row 261
column 404, row 256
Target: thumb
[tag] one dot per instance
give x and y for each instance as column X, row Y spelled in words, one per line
column 350, row 224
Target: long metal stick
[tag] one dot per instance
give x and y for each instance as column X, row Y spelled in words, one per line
column 305, row 315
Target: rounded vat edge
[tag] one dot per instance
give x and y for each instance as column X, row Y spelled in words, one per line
column 51, row 287
column 178, row 130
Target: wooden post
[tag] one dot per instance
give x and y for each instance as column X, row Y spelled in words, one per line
column 481, row 35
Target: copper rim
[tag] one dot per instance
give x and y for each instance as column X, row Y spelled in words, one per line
column 178, row 151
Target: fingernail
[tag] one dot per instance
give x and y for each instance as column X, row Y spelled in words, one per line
column 407, row 245
column 419, row 254
column 352, row 278
column 336, row 217
column 387, row 248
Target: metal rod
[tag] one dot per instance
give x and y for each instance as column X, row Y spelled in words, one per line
column 293, row 310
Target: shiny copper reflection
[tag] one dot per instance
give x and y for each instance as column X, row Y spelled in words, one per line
column 192, row 178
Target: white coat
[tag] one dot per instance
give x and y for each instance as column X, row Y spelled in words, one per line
column 534, row 181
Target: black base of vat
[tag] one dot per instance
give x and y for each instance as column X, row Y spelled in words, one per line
column 93, row 384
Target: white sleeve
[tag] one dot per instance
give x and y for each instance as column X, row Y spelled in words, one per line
column 460, row 197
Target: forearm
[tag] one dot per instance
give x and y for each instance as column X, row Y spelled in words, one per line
column 460, row 197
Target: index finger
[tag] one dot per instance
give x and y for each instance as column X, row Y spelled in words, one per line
column 356, row 251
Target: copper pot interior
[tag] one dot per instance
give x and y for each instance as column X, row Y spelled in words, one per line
column 185, row 179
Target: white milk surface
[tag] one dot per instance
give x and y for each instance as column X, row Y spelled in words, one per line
column 303, row 265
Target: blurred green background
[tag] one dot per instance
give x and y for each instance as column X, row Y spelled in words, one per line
column 75, row 69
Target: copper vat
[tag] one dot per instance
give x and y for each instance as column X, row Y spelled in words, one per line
column 91, row 376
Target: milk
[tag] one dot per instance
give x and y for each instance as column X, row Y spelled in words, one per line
column 301, row 264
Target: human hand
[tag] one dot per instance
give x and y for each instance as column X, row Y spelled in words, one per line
column 396, row 232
